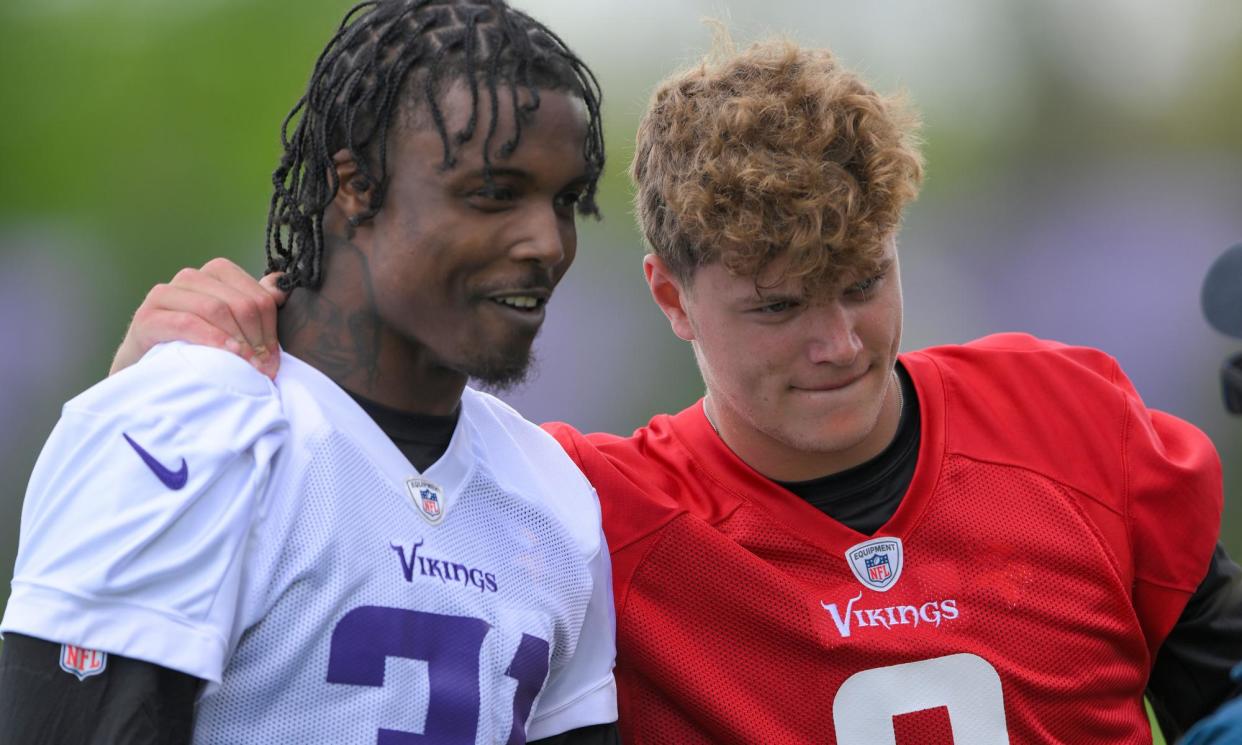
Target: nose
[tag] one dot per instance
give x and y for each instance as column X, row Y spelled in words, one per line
column 832, row 335
column 546, row 238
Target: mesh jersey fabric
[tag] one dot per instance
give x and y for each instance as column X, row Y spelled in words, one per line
column 351, row 614
column 1050, row 537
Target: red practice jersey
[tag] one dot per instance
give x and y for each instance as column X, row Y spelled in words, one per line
column 1051, row 535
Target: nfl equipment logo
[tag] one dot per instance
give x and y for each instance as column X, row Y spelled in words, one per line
column 82, row 662
column 428, row 498
column 876, row 563
column 431, row 502
column 877, row 568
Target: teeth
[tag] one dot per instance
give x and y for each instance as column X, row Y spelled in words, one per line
column 524, row 302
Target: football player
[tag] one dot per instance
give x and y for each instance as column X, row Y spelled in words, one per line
column 987, row 543
column 365, row 549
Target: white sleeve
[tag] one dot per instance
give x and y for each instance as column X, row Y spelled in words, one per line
column 140, row 508
column 582, row 691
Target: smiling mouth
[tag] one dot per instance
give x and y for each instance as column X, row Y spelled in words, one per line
column 520, row 302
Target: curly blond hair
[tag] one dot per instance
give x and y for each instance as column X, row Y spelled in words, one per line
column 773, row 152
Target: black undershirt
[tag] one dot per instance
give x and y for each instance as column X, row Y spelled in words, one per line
column 1191, row 671
column 421, row 438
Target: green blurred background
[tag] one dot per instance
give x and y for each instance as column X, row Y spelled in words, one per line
column 1084, row 168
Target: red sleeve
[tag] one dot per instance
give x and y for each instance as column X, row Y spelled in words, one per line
column 1153, row 480
column 633, row 486
column 1174, row 499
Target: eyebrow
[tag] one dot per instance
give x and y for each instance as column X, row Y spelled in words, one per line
column 781, row 294
column 521, row 174
column 768, row 296
column 501, row 171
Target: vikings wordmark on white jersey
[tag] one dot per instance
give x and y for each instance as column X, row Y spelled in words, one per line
column 270, row 539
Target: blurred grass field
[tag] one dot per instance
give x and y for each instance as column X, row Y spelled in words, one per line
column 1157, row 738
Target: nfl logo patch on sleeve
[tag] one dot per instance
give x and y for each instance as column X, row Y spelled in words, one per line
column 82, row 662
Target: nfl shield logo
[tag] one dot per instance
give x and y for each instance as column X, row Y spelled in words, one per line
column 876, row 563
column 431, row 502
column 82, row 662
column 877, row 567
column 428, row 497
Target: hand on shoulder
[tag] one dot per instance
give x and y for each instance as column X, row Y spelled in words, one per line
column 218, row 305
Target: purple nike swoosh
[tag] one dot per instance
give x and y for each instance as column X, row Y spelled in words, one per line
column 172, row 479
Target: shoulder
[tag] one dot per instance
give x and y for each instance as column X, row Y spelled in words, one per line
column 1068, row 412
column 643, row 449
column 140, row 506
column 1037, row 393
column 523, row 457
column 182, row 400
column 1003, row 359
column 184, row 380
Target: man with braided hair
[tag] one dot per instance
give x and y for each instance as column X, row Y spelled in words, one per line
column 365, row 549
column 995, row 542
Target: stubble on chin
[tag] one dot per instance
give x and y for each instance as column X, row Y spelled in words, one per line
column 502, row 374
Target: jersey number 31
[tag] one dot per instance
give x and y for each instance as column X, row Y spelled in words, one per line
column 450, row 645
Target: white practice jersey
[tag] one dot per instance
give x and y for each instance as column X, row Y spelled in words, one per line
column 269, row 538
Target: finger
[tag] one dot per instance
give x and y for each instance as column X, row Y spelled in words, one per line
column 278, row 297
column 263, row 303
column 246, row 301
column 162, row 316
column 268, row 282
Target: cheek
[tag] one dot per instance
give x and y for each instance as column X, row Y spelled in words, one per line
column 743, row 365
column 878, row 325
column 569, row 239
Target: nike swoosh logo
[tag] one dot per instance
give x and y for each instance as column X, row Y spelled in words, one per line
column 172, row 479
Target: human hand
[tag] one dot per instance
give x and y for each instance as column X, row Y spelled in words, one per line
column 219, row 305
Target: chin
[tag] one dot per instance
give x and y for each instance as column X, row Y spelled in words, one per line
column 500, row 373
column 827, row 433
column 818, row 441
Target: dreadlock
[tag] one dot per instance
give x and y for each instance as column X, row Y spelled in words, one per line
column 388, row 51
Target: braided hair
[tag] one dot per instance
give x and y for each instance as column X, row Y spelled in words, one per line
column 389, row 53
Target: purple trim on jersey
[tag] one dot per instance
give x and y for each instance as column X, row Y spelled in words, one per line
column 172, row 479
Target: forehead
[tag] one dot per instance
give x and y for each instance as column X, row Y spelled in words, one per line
column 780, row 278
column 465, row 123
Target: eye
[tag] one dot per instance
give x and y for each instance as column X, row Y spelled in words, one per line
column 861, row 288
column 568, row 200
column 776, row 308
column 494, row 195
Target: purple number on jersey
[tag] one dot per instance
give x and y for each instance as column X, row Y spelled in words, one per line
column 450, row 645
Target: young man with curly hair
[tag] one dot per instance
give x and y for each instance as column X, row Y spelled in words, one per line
column 987, row 543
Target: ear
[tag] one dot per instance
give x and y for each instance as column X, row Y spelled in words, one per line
column 353, row 196
column 668, row 293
